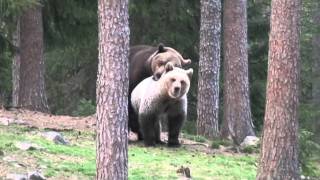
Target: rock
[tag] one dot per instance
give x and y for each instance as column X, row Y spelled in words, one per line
column 55, row 137
column 8, row 159
column 35, row 176
column 250, row 141
column 16, row 176
column 27, row 146
column 4, row 121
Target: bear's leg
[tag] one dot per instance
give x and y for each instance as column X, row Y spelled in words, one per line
column 147, row 122
column 158, row 133
column 133, row 123
column 175, row 122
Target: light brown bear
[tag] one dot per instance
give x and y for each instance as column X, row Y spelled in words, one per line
column 166, row 97
column 145, row 61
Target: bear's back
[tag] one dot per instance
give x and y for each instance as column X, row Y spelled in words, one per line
column 138, row 57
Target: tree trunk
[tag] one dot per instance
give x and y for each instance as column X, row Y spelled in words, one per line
column 209, row 69
column 16, row 66
column 112, row 90
column 316, row 68
column 237, row 122
column 279, row 153
column 31, row 78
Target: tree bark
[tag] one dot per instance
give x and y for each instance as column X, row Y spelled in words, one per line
column 237, row 122
column 316, row 68
column 209, row 69
column 279, row 153
column 16, row 66
column 31, row 84
column 112, row 90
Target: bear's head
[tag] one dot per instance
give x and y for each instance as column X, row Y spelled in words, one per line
column 176, row 81
column 161, row 57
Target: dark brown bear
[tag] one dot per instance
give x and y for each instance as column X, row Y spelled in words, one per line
column 145, row 61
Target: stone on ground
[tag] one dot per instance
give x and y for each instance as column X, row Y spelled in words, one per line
column 13, row 176
column 250, row 141
column 27, row 146
column 55, row 137
column 35, row 176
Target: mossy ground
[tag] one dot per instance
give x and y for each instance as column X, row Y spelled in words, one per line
column 77, row 160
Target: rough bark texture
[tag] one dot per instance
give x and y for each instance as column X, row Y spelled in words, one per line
column 31, row 78
column 237, row 122
column 316, row 67
column 112, row 90
column 279, row 153
column 209, row 69
column 16, row 66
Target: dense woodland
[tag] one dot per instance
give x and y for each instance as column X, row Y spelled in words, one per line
column 70, row 59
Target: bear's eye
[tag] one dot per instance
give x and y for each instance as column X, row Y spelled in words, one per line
column 173, row 79
column 183, row 82
column 162, row 63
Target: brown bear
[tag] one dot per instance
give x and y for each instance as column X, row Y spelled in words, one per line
column 145, row 61
column 167, row 98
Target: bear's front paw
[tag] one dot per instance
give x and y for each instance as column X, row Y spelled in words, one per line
column 174, row 144
column 149, row 143
column 160, row 142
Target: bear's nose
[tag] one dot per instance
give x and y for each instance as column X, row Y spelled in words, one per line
column 157, row 76
column 176, row 89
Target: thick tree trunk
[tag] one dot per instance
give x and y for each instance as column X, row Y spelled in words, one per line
column 237, row 122
column 112, row 90
column 31, row 78
column 209, row 69
column 279, row 153
column 16, row 66
column 316, row 68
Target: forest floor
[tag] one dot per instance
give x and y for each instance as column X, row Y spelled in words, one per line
column 77, row 159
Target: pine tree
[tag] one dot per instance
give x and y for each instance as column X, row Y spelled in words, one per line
column 112, row 90
column 209, row 69
column 279, row 152
column 30, row 83
column 237, row 122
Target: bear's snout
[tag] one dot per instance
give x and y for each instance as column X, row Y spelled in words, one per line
column 157, row 76
column 176, row 90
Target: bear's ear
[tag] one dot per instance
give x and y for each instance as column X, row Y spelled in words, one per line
column 186, row 61
column 190, row 72
column 161, row 48
column 169, row 67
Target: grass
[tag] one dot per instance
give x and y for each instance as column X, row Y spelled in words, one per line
column 215, row 144
column 78, row 159
column 202, row 166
